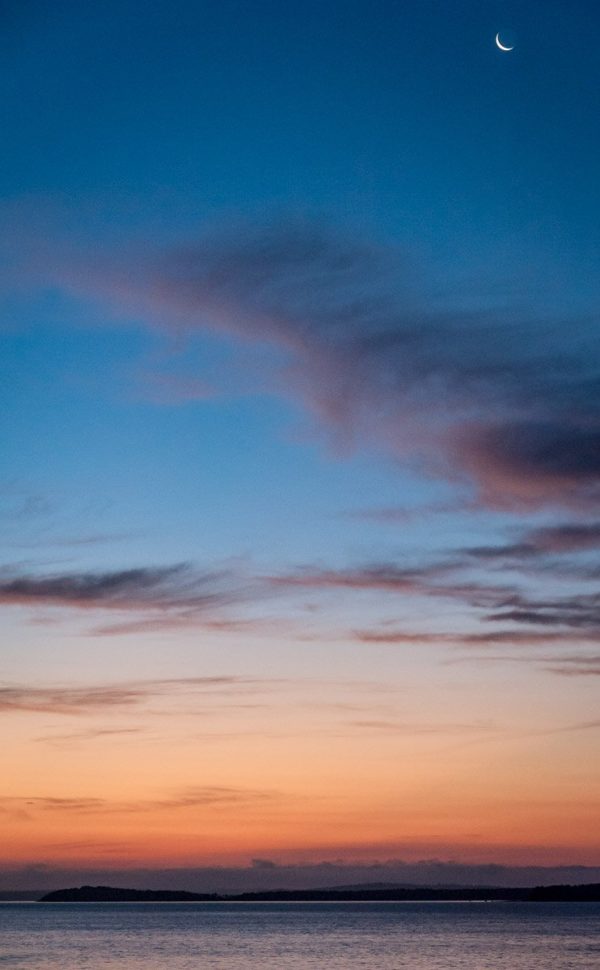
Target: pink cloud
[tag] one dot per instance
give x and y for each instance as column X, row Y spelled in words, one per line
column 500, row 403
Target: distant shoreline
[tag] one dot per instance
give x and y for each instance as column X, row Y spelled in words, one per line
column 111, row 894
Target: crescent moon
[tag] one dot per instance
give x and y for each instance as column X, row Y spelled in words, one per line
column 501, row 46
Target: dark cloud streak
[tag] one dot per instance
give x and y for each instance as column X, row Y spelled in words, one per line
column 106, row 697
column 375, row 359
column 27, row 806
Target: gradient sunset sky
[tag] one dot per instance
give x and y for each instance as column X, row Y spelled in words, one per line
column 300, row 485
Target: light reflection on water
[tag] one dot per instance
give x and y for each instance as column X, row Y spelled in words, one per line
column 300, row 936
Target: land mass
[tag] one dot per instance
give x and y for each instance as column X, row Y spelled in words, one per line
column 110, row 894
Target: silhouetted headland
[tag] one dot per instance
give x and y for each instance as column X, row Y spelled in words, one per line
column 110, row 894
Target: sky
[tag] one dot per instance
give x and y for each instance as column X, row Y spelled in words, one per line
column 300, row 474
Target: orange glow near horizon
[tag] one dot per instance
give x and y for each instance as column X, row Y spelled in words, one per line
column 300, row 771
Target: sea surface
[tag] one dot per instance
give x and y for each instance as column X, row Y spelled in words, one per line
column 300, row 936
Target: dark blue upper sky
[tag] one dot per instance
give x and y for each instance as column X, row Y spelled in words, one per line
column 135, row 128
column 401, row 116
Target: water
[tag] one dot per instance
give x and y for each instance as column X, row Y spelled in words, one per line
column 300, row 936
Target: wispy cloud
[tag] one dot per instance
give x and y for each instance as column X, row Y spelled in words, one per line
column 159, row 587
column 563, row 665
column 576, row 612
column 183, row 597
column 26, row 807
column 74, row 541
column 105, row 697
column 184, row 619
column 565, row 537
column 543, row 548
column 583, row 666
column 390, row 578
column 149, row 597
column 513, row 637
column 401, row 514
column 372, row 357
column 579, row 726
column 91, row 734
column 402, row 728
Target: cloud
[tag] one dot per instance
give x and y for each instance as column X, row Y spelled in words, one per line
column 502, row 553
column 105, row 697
column 200, row 796
column 184, row 619
column 579, row 612
column 92, row 734
column 183, row 597
column 68, row 700
column 391, row 578
column 92, row 539
column 502, row 400
column 565, row 537
column 384, row 576
column 49, row 804
column 527, row 637
column 131, row 588
column 208, row 795
column 563, row 665
column 580, row 726
column 517, row 638
column 536, row 461
column 155, row 598
column 562, row 619
column 564, row 551
column 386, row 726
column 583, row 666
column 400, row 637
column 402, row 514
column 263, row 864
